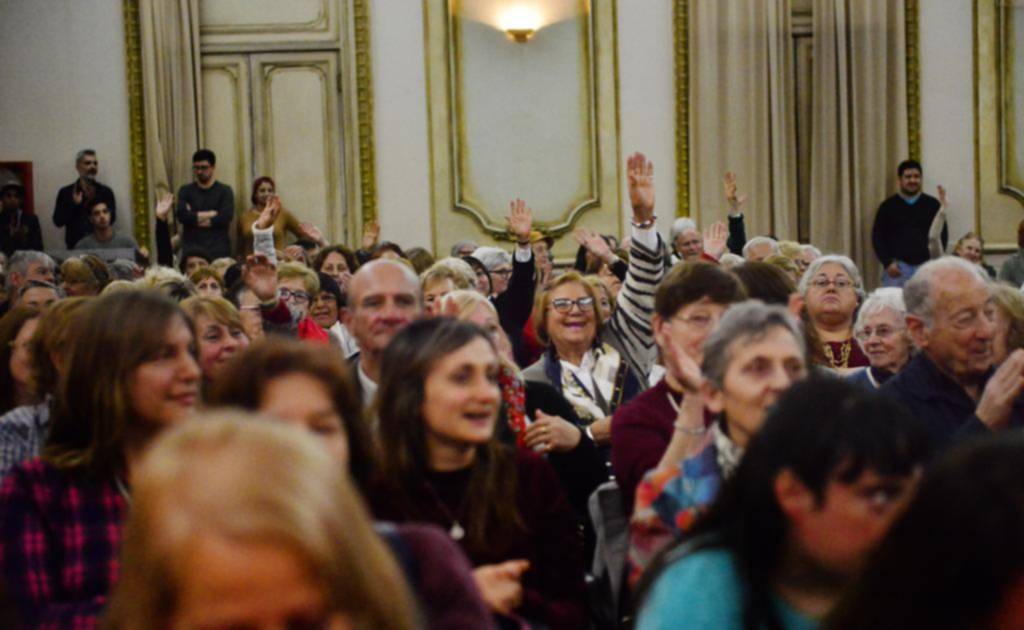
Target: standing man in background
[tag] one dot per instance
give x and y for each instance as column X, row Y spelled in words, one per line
column 206, row 208
column 71, row 211
column 900, row 232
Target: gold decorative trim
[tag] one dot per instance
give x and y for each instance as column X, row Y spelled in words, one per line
column 364, row 107
column 1005, row 92
column 136, row 124
column 681, row 45
column 913, row 56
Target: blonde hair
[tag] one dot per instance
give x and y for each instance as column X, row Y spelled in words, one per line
column 463, row 302
column 75, row 270
column 1010, row 301
column 119, row 285
column 236, row 478
column 222, row 264
column 309, row 278
column 454, row 269
column 202, row 273
column 790, row 249
column 155, row 276
column 216, row 308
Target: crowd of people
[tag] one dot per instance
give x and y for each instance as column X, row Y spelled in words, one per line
column 694, row 430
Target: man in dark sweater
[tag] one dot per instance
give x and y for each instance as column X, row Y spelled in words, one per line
column 74, row 201
column 900, row 232
column 206, row 208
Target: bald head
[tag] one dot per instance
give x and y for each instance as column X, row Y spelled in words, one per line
column 383, row 298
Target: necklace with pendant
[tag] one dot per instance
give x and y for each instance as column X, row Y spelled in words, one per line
column 456, row 531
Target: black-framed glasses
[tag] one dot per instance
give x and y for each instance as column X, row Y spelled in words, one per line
column 564, row 305
column 300, row 297
column 501, row 272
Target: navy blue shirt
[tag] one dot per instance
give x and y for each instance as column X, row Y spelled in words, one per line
column 941, row 404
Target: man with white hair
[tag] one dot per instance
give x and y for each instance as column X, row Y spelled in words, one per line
column 759, row 248
column 24, row 267
column 951, row 386
column 688, row 244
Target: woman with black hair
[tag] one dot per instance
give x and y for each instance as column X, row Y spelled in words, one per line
column 812, row 496
column 440, row 462
column 955, row 558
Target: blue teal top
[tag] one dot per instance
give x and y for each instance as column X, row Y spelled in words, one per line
column 704, row 590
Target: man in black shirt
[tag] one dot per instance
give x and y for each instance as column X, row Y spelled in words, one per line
column 900, row 232
column 206, row 208
column 71, row 211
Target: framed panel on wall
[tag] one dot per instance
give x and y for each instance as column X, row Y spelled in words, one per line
column 999, row 121
column 530, row 114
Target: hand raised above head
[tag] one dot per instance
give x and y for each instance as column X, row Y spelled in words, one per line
column 520, row 220
column 640, row 182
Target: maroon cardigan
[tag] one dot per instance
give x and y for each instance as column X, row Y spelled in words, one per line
column 641, row 431
column 553, row 588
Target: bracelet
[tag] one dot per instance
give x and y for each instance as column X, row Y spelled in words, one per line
column 643, row 225
column 692, row 431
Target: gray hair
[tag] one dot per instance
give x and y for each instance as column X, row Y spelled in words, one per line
column 681, row 225
column 491, row 257
column 760, row 240
column 458, row 270
column 84, row 152
column 23, row 259
column 881, row 299
column 122, row 269
column 742, row 323
column 40, row 284
column 917, row 292
column 811, row 248
column 457, row 247
column 848, row 266
column 730, row 260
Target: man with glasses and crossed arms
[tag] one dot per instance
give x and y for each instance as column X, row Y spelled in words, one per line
column 206, row 208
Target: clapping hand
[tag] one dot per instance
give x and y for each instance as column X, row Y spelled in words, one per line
column 260, row 277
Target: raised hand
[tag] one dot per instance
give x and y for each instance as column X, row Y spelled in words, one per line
column 681, row 365
column 313, row 233
column 715, row 238
column 501, row 585
column 260, row 277
column 371, row 234
column 520, row 220
column 640, row 180
column 269, row 213
column 942, row 197
column 730, row 188
column 77, row 195
column 552, row 433
column 163, row 206
column 595, row 244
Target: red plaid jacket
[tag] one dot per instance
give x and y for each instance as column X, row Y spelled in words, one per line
column 60, row 534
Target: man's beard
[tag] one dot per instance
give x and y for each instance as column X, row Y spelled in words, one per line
column 89, row 177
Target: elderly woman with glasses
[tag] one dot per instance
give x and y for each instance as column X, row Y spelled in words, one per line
column 598, row 365
column 882, row 331
column 832, row 289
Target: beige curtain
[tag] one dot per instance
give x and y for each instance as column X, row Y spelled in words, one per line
column 741, row 111
column 171, row 90
column 859, row 122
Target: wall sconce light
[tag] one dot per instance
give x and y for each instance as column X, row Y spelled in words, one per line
column 520, row 23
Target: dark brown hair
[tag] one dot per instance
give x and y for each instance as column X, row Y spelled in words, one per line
column 687, row 283
column 490, row 505
column 51, row 341
column 346, row 253
column 92, row 412
column 10, row 325
column 243, row 380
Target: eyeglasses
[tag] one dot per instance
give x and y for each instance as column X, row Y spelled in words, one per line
column 839, row 283
column 699, row 321
column 299, row 297
column 564, row 305
column 882, row 332
column 501, row 272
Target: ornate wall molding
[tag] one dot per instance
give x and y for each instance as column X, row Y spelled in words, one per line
column 136, row 124
column 681, row 41
column 913, row 64
column 364, row 109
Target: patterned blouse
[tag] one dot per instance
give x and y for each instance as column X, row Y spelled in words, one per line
column 60, row 534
